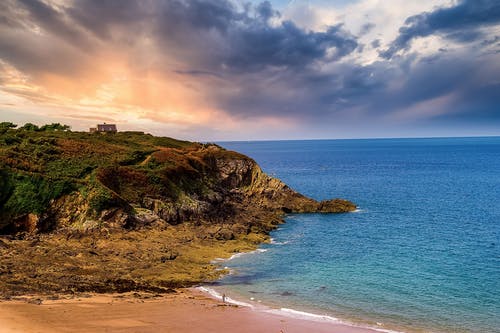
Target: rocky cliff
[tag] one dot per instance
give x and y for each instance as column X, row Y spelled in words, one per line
column 129, row 211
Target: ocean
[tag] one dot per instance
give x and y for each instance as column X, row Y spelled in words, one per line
column 422, row 253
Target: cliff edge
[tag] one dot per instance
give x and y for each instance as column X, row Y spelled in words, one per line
column 130, row 211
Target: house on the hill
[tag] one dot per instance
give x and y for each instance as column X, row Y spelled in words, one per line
column 104, row 128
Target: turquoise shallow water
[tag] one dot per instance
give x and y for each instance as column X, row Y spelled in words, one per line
column 423, row 252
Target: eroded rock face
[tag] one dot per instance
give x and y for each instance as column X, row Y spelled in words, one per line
column 238, row 184
column 336, row 206
column 234, row 173
column 210, row 185
column 29, row 223
column 150, row 226
column 272, row 193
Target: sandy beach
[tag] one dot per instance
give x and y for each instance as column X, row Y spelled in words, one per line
column 186, row 311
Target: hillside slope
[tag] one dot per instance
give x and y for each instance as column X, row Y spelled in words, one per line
column 129, row 211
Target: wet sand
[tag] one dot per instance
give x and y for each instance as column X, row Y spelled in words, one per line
column 187, row 311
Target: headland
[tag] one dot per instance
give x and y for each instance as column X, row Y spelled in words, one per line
column 127, row 211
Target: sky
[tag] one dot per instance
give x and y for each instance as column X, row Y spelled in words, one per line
column 213, row 70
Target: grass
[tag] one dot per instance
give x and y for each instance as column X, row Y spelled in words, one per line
column 40, row 164
column 132, row 211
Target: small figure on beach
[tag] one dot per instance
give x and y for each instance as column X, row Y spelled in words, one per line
column 223, row 298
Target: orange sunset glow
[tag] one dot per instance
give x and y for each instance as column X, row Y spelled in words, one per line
column 223, row 70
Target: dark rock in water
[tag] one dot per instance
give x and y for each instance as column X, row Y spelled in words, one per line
column 336, row 206
column 287, row 293
column 284, row 293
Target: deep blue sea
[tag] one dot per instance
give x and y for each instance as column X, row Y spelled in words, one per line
column 422, row 253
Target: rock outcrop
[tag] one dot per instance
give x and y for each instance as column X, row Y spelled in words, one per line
column 131, row 211
column 217, row 185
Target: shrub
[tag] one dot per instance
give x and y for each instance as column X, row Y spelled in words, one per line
column 6, row 187
column 5, row 126
column 31, row 194
column 54, row 127
column 101, row 199
column 29, row 127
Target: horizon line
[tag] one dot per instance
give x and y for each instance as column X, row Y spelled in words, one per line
column 368, row 138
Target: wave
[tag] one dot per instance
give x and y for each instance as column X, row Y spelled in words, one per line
column 236, row 255
column 217, row 260
column 296, row 314
column 274, row 242
column 290, row 313
column 219, row 297
column 303, row 315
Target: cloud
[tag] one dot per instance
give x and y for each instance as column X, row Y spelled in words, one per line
column 199, row 36
column 203, row 67
column 101, row 17
column 375, row 43
column 241, row 41
column 460, row 22
column 266, row 12
column 54, row 22
column 258, row 47
column 366, row 28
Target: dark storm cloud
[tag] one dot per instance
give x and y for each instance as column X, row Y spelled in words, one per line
column 449, row 86
column 179, row 17
column 246, row 40
column 265, row 11
column 469, row 87
column 308, row 94
column 460, row 23
column 287, row 45
column 212, row 32
column 98, row 16
column 54, row 22
column 251, row 63
column 36, row 38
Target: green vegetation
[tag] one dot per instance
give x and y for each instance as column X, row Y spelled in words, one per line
column 41, row 164
column 5, row 126
column 129, row 211
column 32, row 194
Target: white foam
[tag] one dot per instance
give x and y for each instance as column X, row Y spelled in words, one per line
column 217, row 260
column 218, row 296
column 274, row 242
column 291, row 313
column 237, row 255
column 303, row 315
